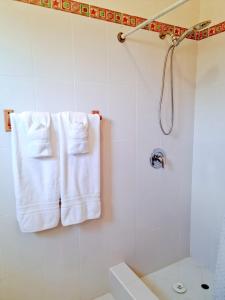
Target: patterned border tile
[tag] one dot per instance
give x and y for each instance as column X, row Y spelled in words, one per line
column 108, row 15
column 56, row 4
column 100, row 13
column 213, row 30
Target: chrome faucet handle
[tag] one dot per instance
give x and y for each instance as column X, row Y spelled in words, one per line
column 157, row 159
column 160, row 159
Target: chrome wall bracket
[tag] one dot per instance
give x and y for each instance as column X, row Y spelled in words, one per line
column 120, row 37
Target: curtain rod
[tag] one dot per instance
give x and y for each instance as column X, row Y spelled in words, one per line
column 122, row 36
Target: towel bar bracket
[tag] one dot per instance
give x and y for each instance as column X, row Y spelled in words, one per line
column 7, row 122
column 96, row 112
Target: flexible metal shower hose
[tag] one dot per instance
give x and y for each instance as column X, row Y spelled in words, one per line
column 170, row 52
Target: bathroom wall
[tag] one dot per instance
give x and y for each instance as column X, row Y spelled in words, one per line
column 208, row 192
column 55, row 61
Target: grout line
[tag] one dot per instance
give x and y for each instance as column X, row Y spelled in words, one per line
column 74, row 66
column 34, row 80
column 136, row 164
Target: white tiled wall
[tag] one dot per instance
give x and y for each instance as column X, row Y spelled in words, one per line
column 208, row 189
column 54, row 61
column 208, row 205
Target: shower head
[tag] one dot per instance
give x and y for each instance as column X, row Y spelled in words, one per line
column 197, row 27
column 202, row 25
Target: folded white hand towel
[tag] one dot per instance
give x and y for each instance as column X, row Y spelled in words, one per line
column 77, row 132
column 80, row 175
column 35, row 180
column 37, row 127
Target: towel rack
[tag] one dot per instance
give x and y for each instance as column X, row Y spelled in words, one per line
column 8, row 111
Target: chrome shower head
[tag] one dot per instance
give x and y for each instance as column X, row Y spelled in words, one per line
column 202, row 25
column 197, row 27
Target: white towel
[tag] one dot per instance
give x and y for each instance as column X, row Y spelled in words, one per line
column 37, row 126
column 35, row 180
column 77, row 126
column 80, row 175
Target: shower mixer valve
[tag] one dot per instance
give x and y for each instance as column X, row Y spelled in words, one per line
column 157, row 159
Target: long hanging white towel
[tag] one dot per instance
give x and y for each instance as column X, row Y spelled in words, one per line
column 35, row 179
column 80, row 174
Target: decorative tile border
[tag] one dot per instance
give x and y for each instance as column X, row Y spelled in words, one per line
column 213, row 30
column 108, row 15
